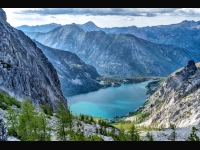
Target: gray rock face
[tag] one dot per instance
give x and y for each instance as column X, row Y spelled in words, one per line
column 24, row 69
column 75, row 76
column 3, row 15
column 177, row 100
column 117, row 55
column 3, row 131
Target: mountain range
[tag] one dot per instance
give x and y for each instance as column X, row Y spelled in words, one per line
column 117, row 55
column 174, row 34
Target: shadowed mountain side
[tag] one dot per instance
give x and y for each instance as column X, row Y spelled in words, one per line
column 117, row 55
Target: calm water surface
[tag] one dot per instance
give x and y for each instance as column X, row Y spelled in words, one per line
column 110, row 102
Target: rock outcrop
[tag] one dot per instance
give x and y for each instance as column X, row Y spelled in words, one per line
column 177, row 101
column 3, row 131
column 24, row 69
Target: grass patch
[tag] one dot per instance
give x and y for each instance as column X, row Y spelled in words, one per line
column 6, row 100
column 123, row 126
column 141, row 117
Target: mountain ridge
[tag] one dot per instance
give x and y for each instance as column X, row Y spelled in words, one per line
column 117, row 55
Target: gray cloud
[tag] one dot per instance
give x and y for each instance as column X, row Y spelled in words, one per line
column 149, row 12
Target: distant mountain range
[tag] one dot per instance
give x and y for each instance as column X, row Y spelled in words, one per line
column 174, row 34
column 185, row 34
column 117, row 55
column 38, row 28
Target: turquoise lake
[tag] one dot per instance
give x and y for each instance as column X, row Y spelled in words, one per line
column 110, row 102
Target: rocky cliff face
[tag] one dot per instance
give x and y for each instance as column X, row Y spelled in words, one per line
column 75, row 76
column 24, row 69
column 3, row 131
column 177, row 101
column 117, row 55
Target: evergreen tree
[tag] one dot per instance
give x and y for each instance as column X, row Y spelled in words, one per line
column 173, row 135
column 46, row 109
column 64, row 121
column 122, row 135
column 12, row 121
column 27, row 128
column 134, row 134
column 44, row 129
column 150, row 137
column 193, row 136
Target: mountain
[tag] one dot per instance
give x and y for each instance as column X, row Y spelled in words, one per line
column 89, row 26
column 24, row 69
column 38, row 28
column 117, row 55
column 75, row 76
column 177, row 99
column 174, row 34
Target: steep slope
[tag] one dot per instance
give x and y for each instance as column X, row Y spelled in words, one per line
column 75, row 76
column 3, row 131
column 174, row 34
column 177, row 100
column 117, row 55
column 38, row 28
column 24, row 69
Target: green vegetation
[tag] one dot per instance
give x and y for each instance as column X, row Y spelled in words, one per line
column 6, row 100
column 173, row 135
column 27, row 124
column 193, row 136
column 12, row 121
column 64, row 121
column 46, row 109
column 140, row 117
column 149, row 136
column 85, row 118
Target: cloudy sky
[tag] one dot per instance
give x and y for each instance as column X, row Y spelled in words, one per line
column 102, row 17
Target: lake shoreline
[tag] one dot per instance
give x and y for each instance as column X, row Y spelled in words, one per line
column 106, row 82
column 110, row 102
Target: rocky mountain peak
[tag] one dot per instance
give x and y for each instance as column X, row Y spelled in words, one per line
column 190, row 67
column 2, row 14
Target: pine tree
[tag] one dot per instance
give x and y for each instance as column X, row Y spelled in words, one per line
column 193, row 136
column 28, row 124
column 134, row 134
column 43, row 127
column 150, row 137
column 173, row 135
column 122, row 135
column 64, row 121
column 12, row 121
